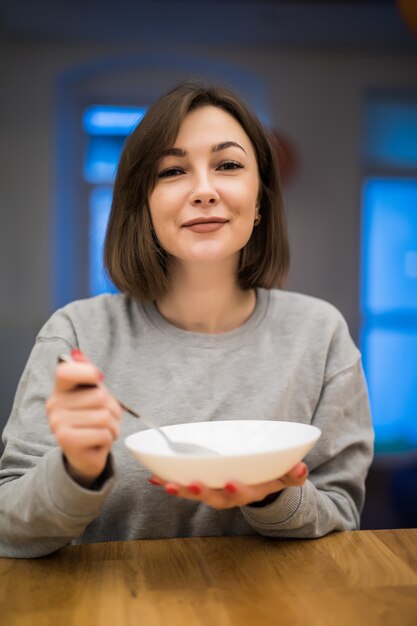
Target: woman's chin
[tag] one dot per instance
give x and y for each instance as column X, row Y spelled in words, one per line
column 209, row 252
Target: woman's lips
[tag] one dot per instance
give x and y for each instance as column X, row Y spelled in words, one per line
column 205, row 227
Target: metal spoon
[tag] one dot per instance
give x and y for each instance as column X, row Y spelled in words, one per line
column 180, row 447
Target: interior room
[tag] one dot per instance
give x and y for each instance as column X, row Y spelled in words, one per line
column 336, row 84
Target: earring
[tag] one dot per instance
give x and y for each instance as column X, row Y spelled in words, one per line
column 257, row 219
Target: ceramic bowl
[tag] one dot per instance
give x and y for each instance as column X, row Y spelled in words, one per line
column 249, row 451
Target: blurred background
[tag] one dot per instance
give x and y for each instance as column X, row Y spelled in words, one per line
column 336, row 82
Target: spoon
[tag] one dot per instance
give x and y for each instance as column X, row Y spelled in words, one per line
column 180, row 447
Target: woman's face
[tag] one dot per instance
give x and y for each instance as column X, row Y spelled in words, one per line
column 205, row 199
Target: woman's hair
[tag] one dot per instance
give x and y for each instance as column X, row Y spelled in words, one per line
column 133, row 257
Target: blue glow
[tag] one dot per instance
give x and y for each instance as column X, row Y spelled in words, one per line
column 100, row 204
column 111, row 120
column 106, row 128
column 389, row 270
column 390, row 359
column 101, row 159
column 389, row 247
column 389, row 305
column 391, row 133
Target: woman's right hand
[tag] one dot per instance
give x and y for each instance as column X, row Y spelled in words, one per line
column 84, row 420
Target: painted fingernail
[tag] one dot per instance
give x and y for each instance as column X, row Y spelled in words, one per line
column 230, row 487
column 76, row 352
column 101, row 376
column 195, row 489
column 153, row 481
column 302, row 472
column 173, row 491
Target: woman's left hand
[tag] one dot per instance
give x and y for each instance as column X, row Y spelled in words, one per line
column 234, row 493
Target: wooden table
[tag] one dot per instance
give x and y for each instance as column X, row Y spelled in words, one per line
column 350, row 578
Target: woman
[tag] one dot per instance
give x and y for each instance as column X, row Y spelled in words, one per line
column 196, row 244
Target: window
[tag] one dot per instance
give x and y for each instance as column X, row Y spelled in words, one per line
column 389, row 270
column 106, row 128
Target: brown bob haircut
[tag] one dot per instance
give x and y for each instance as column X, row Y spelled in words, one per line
column 133, row 257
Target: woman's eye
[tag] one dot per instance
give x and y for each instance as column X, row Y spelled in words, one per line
column 230, row 165
column 170, row 171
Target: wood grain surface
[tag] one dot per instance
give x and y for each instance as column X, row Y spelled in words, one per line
column 344, row 579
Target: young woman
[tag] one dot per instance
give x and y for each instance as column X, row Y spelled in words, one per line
column 196, row 244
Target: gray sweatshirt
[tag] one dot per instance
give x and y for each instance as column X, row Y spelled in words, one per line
column 292, row 360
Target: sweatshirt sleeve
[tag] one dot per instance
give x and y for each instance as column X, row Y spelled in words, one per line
column 333, row 496
column 41, row 507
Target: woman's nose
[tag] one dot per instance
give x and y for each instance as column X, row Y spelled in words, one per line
column 204, row 194
column 203, row 199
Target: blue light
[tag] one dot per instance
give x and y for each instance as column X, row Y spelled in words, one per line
column 389, row 305
column 111, row 120
column 390, row 359
column 100, row 204
column 389, row 244
column 107, row 128
column 391, row 133
column 101, row 159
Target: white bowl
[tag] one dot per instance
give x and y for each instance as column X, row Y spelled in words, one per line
column 251, row 451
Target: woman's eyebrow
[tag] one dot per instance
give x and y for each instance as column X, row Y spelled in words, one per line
column 179, row 152
column 226, row 144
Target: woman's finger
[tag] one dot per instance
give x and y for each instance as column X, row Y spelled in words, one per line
column 85, row 419
column 215, row 498
column 298, row 474
column 79, row 356
column 68, row 376
column 234, row 493
column 76, row 440
column 85, row 399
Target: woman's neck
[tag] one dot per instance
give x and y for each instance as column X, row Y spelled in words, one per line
column 206, row 300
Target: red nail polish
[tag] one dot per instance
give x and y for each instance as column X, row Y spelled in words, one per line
column 171, row 490
column 76, row 352
column 230, row 487
column 101, row 376
column 153, row 481
column 195, row 489
column 302, row 472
